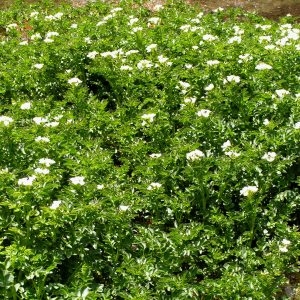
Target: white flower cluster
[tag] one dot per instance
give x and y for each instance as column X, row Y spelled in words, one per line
column 47, row 161
column 232, row 78
column 113, row 54
column 147, row 118
column 248, row 190
column 212, row 62
column 283, row 247
column 5, row 120
column 26, row 181
column 55, row 204
column 281, row 93
column 203, row 113
column 263, row 66
column 195, row 155
column 151, row 47
column 227, row 152
column 269, row 156
column 153, row 186
column 74, row 81
column 144, row 64
column 78, row 180
column 92, row 54
column 55, row 17
column 155, row 155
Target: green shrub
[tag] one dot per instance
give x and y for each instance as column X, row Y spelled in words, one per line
column 148, row 155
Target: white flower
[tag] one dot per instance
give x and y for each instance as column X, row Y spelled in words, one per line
column 136, row 29
column 281, row 93
column 188, row 66
column 232, row 78
column 263, row 27
column 49, row 18
column 269, row 156
column 153, row 185
column 232, row 153
column 158, row 7
column 267, row 38
column 184, row 85
column 283, row 249
column 58, row 16
column 148, row 117
column 209, row 37
column 38, row 66
column 185, row 28
column 11, row 26
column 155, row 155
column 238, row 30
column 195, row 47
column 101, row 23
column 263, row 66
column 126, row 68
column 234, row 39
column 226, row 145
column 116, row 9
column 100, row 186
column 245, row 57
column 55, row 204
column 271, row 47
column 26, row 181
column 286, row 242
column 41, row 171
column 26, row 105
column 154, row 20
column 92, row 54
column 113, row 54
column 151, row 47
column 191, row 100
column 51, row 124
column 282, row 42
column 194, row 155
column 266, row 122
column 34, row 14
column 39, row 120
column 47, row 161
column 297, row 125
column 162, row 59
column 144, row 64
column 48, row 40
column 131, row 52
column 218, row 9
column 74, row 26
column 132, row 21
column 88, row 40
column 124, row 207
column 209, row 87
column 58, row 117
column 77, row 180
column 203, row 113
column 24, row 43
column 6, row 120
column 212, row 62
column 74, row 81
column 42, row 139
column 247, row 190
column 36, row 36
column 51, row 34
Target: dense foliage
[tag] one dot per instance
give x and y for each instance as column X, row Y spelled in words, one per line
column 148, row 154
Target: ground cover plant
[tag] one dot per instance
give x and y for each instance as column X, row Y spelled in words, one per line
column 148, row 154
